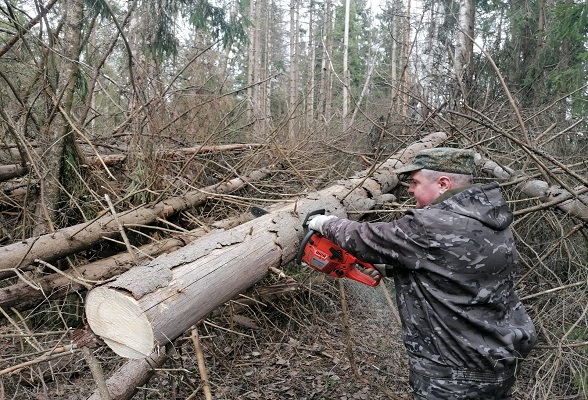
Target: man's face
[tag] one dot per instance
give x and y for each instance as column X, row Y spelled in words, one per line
column 424, row 190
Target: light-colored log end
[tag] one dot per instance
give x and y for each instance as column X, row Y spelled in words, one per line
column 117, row 318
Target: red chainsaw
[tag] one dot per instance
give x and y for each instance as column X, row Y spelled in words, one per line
column 325, row 256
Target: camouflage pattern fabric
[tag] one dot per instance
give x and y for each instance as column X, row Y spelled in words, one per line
column 425, row 388
column 454, row 266
column 446, row 159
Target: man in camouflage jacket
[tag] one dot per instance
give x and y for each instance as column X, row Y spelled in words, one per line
column 453, row 260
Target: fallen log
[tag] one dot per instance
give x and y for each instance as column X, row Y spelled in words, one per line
column 555, row 196
column 27, row 294
column 73, row 239
column 574, row 204
column 124, row 383
column 118, row 158
column 12, row 171
column 150, row 305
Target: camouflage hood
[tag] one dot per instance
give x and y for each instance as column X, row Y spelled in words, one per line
column 480, row 202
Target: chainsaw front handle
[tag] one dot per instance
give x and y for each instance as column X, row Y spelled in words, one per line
column 307, row 234
column 303, row 244
column 320, row 211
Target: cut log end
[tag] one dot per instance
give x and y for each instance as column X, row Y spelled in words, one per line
column 118, row 319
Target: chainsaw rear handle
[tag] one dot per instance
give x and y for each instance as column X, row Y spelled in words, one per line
column 355, row 274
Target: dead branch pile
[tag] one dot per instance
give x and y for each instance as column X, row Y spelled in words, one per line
column 285, row 336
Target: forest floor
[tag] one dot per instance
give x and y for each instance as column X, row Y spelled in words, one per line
column 297, row 346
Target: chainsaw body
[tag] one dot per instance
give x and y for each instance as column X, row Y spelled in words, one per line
column 325, row 256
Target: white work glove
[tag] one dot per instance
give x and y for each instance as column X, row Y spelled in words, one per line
column 316, row 222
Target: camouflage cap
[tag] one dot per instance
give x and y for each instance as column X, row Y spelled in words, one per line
column 444, row 159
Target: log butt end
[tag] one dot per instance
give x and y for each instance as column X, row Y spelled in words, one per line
column 117, row 318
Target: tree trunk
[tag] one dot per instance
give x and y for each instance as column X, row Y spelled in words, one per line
column 57, row 137
column 256, row 59
column 251, row 73
column 144, row 100
column 123, row 384
column 346, row 80
column 293, row 121
column 12, row 171
column 464, row 48
column 550, row 195
column 153, row 304
column 394, row 29
column 324, row 101
column 310, row 75
column 25, row 295
column 118, row 158
column 269, row 23
column 79, row 237
column 367, row 83
column 405, row 76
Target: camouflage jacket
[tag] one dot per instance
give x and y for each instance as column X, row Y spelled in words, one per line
column 454, row 266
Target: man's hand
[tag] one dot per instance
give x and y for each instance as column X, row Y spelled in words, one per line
column 316, row 222
column 380, row 268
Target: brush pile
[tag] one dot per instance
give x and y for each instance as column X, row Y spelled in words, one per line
column 293, row 334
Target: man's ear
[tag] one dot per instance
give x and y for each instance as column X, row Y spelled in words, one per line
column 444, row 184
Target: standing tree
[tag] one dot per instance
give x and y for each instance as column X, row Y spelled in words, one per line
column 326, row 47
column 346, row 75
column 464, row 48
column 59, row 164
column 293, row 120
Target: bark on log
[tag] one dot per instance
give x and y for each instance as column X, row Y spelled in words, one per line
column 566, row 202
column 118, row 158
column 123, row 384
column 149, row 306
column 25, row 295
column 73, row 239
column 548, row 194
column 12, row 171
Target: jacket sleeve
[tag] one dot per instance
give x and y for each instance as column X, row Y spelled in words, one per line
column 398, row 243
